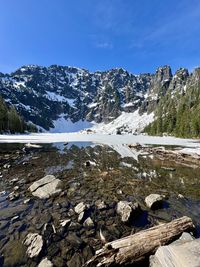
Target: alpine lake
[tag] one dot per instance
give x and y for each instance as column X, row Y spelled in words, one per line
column 97, row 176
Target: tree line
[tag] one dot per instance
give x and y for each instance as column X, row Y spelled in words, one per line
column 11, row 121
column 178, row 115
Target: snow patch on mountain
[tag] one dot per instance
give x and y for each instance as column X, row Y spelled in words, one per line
column 65, row 125
column 125, row 123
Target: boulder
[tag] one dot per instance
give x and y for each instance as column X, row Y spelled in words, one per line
column 46, row 187
column 45, row 263
column 154, row 201
column 126, row 209
column 34, row 243
column 182, row 254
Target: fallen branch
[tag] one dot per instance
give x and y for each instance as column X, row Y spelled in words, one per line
column 133, row 248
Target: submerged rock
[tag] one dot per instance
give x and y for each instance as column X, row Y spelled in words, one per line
column 88, row 223
column 81, row 216
column 154, row 201
column 46, row 187
column 74, row 240
column 13, row 196
column 14, row 254
column 75, row 261
column 34, row 243
column 126, row 209
column 100, row 204
column 65, row 223
column 45, row 263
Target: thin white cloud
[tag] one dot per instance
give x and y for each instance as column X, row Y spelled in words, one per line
column 176, row 27
column 104, row 45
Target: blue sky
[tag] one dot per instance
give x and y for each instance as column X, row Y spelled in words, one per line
column 138, row 35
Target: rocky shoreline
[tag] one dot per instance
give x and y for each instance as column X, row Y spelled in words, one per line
column 59, row 207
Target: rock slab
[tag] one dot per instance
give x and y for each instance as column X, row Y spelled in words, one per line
column 46, row 187
column 183, row 254
column 34, row 243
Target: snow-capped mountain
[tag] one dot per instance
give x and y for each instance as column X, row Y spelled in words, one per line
column 47, row 95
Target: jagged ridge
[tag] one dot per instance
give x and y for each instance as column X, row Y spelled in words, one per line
column 41, row 94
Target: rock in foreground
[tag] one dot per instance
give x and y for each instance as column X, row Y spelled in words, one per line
column 34, row 243
column 126, row 209
column 183, row 254
column 131, row 249
column 46, row 187
column 154, row 201
column 45, row 263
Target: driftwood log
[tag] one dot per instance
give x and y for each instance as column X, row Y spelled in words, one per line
column 133, row 248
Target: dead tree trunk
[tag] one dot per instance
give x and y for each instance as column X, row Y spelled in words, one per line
column 133, row 248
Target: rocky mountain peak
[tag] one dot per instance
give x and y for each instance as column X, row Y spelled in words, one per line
column 163, row 74
column 182, row 74
column 44, row 94
column 196, row 74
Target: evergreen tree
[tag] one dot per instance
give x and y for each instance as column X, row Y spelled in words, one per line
column 10, row 121
column 3, row 115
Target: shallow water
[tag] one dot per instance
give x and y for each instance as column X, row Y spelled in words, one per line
column 109, row 178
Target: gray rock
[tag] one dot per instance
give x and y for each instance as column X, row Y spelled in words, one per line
column 154, row 201
column 74, row 240
column 81, row 216
column 10, row 212
column 34, row 243
column 45, row 263
column 80, row 208
column 126, row 209
column 100, row 204
column 13, row 196
column 88, row 223
column 185, row 237
column 185, row 254
column 74, row 226
column 46, row 187
column 87, row 253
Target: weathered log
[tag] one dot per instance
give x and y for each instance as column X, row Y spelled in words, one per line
column 133, row 248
